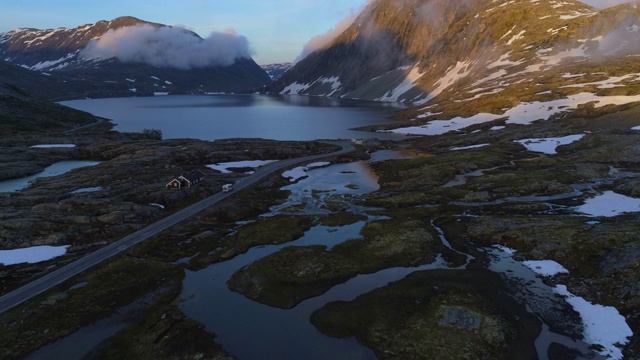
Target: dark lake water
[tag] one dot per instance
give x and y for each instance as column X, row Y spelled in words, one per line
column 210, row 117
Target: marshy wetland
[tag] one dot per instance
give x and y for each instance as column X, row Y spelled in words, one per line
column 375, row 255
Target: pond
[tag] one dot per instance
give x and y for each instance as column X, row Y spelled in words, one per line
column 56, row 169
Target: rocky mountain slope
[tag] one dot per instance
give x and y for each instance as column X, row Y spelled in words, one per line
column 113, row 70
column 21, row 112
column 478, row 57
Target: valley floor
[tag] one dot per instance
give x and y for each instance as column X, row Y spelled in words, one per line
column 458, row 212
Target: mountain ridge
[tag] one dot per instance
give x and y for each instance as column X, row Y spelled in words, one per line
column 441, row 54
column 59, row 52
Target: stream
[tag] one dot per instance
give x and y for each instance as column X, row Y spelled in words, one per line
column 250, row 330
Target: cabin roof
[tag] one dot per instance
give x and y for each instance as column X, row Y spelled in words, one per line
column 193, row 175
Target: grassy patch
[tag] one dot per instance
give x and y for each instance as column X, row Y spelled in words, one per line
column 297, row 273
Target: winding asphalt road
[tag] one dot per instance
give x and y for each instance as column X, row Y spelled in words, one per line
column 56, row 277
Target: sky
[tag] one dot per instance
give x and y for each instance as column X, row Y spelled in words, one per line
column 277, row 30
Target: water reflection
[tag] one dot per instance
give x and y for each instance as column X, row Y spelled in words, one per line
column 243, row 116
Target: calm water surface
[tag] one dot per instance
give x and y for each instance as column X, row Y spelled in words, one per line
column 56, row 169
column 210, row 117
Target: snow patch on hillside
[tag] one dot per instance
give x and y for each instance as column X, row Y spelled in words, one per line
column 603, row 325
column 31, row 255
column 555, row 59
column 454, row 73
column 518, row 36
column 294, row 89
column 297, row 89
column 545, row 267
column 300, row 172
column 406, row 85
column 522, row 114
column 335, row 84
column 468, row 147
column 548, row 145
column 224, row 167
column 504, row 61
column 608, row 83
column 49, row 64
column 609, row 204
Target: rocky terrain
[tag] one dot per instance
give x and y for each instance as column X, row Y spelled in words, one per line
column 513, row 153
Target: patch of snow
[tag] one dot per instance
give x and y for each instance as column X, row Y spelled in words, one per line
column 168, row 82
column 608, row 83
column 576, row 14
column 545, row 267
column 157, row 205
column 522, row 114
column 516, row 37
column 160, row 93
column 635, row 128
column 468, row 147
column 31, row 255
column 548, row 145
column 133, row 90
column 407, row 84
column 49, row 146
column 507, row 33
column 543, row 92
column 609, row 204
column 505, row 249
column 494, row 91
column 603, row 325
column 496, row 75
column 155, row 78
column 504, row 61
column 294, row 89
column 335, row 84
column 224, row 167
column 300, row 172
column 48, row 64
column 87, row 190
column 131, row 80
column 496, row 128
column 556, row 59
column 427, row 114
column 571, row 76
column 455, row 73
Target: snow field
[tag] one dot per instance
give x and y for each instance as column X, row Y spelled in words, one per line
column 31, row 255
column 224, row 167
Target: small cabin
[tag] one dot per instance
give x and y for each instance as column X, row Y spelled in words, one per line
column 227, row 187
column 187, row 180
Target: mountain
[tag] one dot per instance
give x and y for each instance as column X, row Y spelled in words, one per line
column 468, row 57
column 275, row 71
column 128, row 56
column 21, row 112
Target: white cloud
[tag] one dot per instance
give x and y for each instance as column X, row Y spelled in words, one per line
column 169, row 47
column 321, row 41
